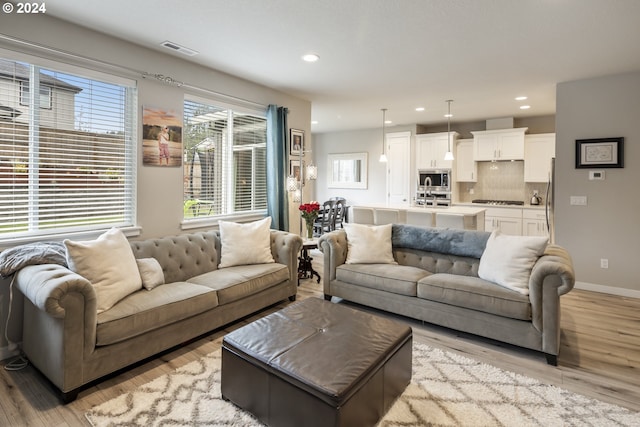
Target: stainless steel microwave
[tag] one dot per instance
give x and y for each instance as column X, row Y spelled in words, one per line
column 434, row 180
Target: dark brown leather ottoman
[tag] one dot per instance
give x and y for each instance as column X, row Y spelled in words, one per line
column 315, row 363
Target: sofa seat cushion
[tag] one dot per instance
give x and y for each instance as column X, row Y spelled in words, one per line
column 398, row 279
column 476, row 294
column 234, row 283
column 144, row 311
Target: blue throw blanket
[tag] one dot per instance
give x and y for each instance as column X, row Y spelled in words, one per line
column 442, row 240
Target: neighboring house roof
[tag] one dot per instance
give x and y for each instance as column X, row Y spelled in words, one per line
column 15, row 70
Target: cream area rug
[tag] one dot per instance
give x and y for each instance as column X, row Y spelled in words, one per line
column 446, row 390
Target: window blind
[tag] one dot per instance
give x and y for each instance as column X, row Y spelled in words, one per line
column 67, row 153
column 225, row 160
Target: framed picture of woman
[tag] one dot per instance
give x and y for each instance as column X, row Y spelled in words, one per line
column 296, row 142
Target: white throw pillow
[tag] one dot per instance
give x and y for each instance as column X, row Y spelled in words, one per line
column 508, row 260
column 108, row 263
column 244, row 244
column 150, row 272
column 369, row 244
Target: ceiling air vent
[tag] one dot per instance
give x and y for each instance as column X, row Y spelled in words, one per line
column 177, row 48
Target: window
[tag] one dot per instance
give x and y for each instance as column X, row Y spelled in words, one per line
column 45, row 95
column 70, row 167
column 225, row 160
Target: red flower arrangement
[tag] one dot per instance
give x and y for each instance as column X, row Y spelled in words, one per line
column 309, row 212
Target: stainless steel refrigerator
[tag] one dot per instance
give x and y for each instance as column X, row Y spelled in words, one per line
column 549, row 202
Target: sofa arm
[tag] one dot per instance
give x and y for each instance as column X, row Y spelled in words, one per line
column 47, row 285
column 285, row 247
column 556, row 262
column 551, row 276
column 334, row 247
column 59, row 332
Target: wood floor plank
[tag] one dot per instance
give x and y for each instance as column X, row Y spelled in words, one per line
column 599, row 357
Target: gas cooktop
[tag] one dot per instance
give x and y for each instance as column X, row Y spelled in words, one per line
column 499, row 202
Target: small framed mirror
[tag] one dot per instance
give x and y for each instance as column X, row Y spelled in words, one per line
column 347, row 170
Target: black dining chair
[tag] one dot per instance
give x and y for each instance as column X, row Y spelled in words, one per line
column 324, row 222
column 339, row 214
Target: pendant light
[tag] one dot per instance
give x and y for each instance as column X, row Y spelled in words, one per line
column 312, row 172
column 449, row 154
column 383, row 156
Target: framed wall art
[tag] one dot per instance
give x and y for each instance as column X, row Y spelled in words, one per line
column 600, row 153
column 296, row 142
column 161, row 137
column 347, row 170
column 295, row 170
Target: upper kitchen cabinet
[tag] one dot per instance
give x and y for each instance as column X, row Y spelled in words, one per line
column 431, row 148
column 466, row 167
column 538, row 151
column 499, row 144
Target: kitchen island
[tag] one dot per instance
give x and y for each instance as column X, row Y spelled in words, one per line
column 462, row 217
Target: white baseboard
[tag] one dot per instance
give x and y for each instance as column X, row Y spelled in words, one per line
column 623, row 292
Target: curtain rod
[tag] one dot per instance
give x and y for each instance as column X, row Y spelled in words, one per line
column 121, row 68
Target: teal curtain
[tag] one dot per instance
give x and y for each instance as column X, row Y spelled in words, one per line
column 277, row 197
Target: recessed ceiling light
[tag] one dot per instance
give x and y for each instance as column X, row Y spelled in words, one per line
column 314, row 122
column 420, row 109
column 525, row 107
column 521, row 98
column 387, row 122
column 310, row 57
column 448, row 115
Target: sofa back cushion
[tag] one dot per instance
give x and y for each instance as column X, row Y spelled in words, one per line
column 435, row 262
column 183, row 256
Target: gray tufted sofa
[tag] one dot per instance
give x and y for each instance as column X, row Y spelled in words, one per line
column 72, row 345
column 436, row 280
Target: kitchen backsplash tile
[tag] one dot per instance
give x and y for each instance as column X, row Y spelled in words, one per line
column 500, row 181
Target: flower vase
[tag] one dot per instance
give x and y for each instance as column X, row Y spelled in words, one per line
column 309, row 225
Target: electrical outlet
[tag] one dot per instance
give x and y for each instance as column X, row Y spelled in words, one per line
column 604, row 263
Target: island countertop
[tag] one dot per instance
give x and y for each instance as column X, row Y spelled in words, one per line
column 462, row 210
column 463, row 217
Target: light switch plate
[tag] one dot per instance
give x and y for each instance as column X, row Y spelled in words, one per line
column 578, row 200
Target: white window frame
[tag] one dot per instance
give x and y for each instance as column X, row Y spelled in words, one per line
column 228, row 158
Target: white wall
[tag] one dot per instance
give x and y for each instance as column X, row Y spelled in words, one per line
column 159, row 189
column 360, row 141
column 609, row 226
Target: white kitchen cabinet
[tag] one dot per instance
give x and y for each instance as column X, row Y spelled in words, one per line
column 499, row 144
column 507, row 220
column 431, row 148
column 538, row 151
column 534, row 222
column 466, row 167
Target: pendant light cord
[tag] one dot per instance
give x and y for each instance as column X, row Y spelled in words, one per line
column 449, row 154
column 384, row 111
column 383, row 156
column 449, row 101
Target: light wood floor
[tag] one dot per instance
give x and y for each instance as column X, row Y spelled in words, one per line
column 600, row 358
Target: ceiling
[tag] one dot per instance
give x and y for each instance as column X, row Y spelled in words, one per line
column 389, row 54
